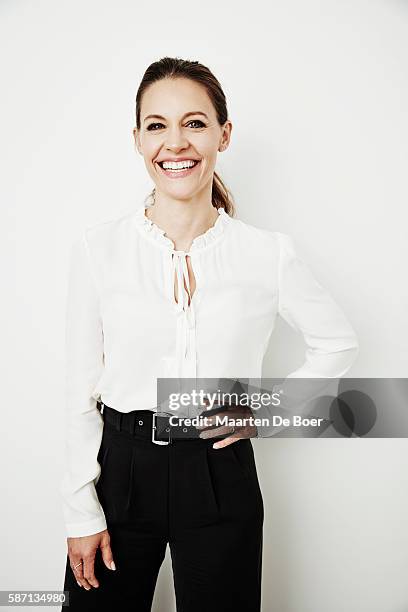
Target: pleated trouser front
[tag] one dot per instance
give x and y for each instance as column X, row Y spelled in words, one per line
column 205, row 503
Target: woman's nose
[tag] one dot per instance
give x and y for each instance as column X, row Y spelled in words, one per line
column 176, row 140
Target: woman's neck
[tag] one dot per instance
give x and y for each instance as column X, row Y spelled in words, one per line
column 182, row 220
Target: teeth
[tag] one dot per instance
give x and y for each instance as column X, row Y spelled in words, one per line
column 178, row 165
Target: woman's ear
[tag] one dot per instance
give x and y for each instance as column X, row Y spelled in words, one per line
column 137, row 141
column 226, row 136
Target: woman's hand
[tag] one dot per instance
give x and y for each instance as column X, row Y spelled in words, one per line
column 84, row 549
column 234, row 431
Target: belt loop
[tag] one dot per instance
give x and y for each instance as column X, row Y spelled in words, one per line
column 119, row 427
column 132, row 423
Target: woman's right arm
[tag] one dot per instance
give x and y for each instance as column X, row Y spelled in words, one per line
column 83, row 513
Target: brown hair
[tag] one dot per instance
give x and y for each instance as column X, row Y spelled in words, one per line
column 169, row 67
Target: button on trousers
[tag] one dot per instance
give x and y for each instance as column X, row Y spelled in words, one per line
column 204, row 503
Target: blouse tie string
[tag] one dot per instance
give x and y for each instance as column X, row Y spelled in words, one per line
column 186, row 312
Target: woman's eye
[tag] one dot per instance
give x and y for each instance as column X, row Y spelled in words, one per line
column 197, row 121
column 150, row 127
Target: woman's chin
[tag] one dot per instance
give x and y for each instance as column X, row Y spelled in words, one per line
column 179, row 192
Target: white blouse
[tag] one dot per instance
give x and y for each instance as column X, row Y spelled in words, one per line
column 124, row 327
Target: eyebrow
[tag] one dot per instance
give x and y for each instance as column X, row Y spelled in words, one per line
column 183, row 117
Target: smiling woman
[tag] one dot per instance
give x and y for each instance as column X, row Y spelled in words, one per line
column 181, row 116
column 176, row 289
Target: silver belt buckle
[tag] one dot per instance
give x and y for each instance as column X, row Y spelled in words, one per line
column 154, row 429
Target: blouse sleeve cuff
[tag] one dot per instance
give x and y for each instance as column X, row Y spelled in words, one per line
column 77, row 530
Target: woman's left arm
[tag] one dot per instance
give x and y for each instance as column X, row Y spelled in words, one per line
column 332, row 344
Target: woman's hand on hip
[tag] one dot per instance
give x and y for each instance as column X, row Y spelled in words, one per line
column 82, row 552
column 239, row 425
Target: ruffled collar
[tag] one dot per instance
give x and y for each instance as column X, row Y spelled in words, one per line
column 157, row 235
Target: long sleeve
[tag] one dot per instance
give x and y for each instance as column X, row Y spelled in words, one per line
column 331, row 343
column 82, row 511
column 306, row 306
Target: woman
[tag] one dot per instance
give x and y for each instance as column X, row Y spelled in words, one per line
column 177, row 288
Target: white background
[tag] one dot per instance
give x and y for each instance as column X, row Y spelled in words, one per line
column 318, row 97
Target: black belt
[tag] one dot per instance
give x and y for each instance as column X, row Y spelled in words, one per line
column 148, row 424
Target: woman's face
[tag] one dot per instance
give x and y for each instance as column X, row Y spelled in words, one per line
column 178, row 123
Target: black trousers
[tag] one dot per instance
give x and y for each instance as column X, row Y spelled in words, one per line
column 205, row 503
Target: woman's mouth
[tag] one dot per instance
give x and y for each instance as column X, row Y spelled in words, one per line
column 178, row 169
